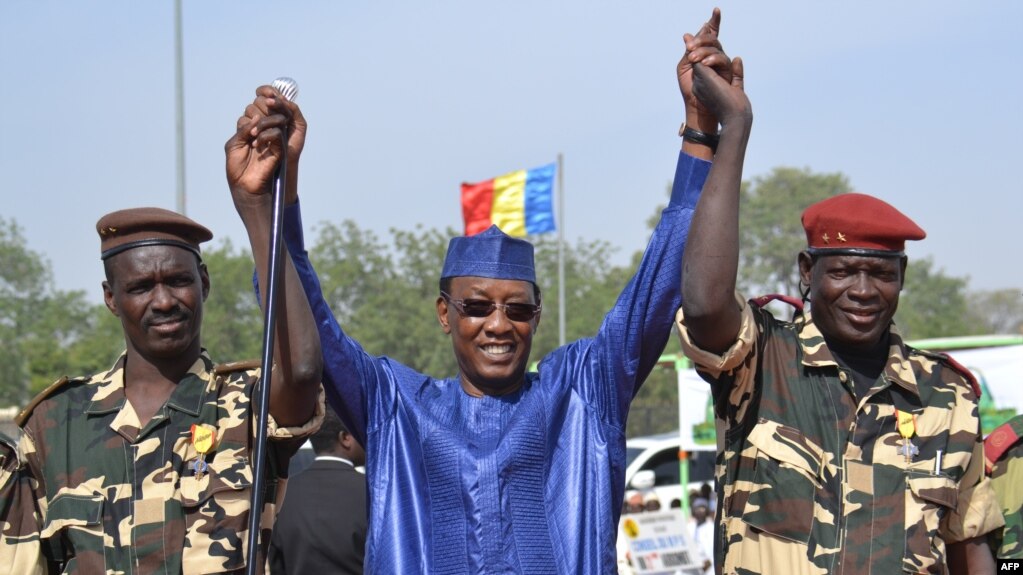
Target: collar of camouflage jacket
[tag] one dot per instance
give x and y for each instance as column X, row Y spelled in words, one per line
column 188, row 397
column 897, row 370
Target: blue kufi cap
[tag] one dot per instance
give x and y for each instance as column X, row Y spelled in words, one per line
column 490, row 254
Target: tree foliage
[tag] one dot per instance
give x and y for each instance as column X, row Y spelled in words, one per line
column 933, row 304
column 1000, row 310
column 232, row 328
column 384, row 295
column 38, row 323
column 592, row 285
column 771, row 232
column 102, row 345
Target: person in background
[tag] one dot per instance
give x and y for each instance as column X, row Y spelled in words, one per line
column 1003, row 454
column 702, row 531
column 322, row 524
column 651, row 502
column 707, row 492
column 633, row 502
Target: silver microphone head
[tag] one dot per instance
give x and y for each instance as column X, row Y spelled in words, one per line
column 287, row 87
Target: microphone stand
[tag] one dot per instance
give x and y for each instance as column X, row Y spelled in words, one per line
column 266, row 366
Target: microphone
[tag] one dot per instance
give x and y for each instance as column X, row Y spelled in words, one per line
column 288, row 87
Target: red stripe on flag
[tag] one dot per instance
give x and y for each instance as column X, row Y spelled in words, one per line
column 477, row 200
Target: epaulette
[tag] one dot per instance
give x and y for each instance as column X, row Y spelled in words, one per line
column 766, row 299
column 957, row 367
column 27, row 412
column 233, row 366
column 1001, row 439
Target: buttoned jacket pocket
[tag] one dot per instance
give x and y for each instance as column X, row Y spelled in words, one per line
column 73, row 529
column 786, row 481
column 929, row 498
column 216, row 509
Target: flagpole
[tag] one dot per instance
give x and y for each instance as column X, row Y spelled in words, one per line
column 179, row 108
column 561, row 253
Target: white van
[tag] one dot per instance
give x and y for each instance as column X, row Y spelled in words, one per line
column 653, row 462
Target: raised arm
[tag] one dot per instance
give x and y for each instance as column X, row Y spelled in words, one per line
column 712, row 255
column 349, row 373
column 253, row 154
column 635, row 331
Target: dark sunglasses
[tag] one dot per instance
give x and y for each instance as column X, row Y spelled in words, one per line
column 483, row 308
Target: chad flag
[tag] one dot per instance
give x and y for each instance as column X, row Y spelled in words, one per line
column 519, row 203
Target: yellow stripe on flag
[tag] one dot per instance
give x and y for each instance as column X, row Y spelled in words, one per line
column 508, row 210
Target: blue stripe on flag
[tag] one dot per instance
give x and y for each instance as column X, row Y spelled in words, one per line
column 538, row 202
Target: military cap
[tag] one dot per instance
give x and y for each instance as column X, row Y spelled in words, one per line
column 858, row 224
column 137, row 227
column 490, row 254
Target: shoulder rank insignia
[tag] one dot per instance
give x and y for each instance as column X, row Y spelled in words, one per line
column 1001, row 439
column 22, row 417
column 232, row 366
column 766, row 299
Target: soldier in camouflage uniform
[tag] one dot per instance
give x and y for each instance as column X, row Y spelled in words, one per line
column 146, row 467
column 1003, row 453
column 840, row 449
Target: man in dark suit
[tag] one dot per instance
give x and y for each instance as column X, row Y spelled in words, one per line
column 321, row 527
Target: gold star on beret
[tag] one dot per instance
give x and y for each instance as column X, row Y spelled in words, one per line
column 869, row 226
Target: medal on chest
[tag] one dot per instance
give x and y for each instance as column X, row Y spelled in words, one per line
column 906, row 423
column 204, row 437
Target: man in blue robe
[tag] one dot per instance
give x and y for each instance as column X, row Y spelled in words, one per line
column 500, row 470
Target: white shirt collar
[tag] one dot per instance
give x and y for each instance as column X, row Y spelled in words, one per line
column 334, row 458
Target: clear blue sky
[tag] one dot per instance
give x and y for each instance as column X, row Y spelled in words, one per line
column 916, row 102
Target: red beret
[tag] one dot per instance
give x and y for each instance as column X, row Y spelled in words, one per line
column 858, row 224
column 126, row 229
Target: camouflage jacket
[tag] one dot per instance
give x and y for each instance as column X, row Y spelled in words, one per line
column 113, row 498
column 811, row 479
column 16, row 511
column 1004, row 452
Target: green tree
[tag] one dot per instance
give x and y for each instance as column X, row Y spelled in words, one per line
column 232, row 328
column 399, row 319
column 384, row 295
column 933, row 304
column 101, row 343
column 37, row 322
column 592, row 285
column 771, row 234
column 1000, row 311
